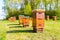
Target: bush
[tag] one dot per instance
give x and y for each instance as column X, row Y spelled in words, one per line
column 52, row 13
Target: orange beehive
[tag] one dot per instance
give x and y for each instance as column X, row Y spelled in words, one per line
column 47, row 17
column 9, row 19
column 26, row 21
column 54, row 18
column 20, row 19
column 30, row 18
column 12, row 19
column 38, row 20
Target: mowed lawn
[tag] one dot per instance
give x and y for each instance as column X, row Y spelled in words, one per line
column 14, row 31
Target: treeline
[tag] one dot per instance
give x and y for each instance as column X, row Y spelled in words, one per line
column 25, row 7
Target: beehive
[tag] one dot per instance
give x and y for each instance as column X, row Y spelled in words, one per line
column 38, row 20
column 9, row 19
column 47, row 17
column 20, row 19
column 12, row 19
column 26, row 21
column 54, row 18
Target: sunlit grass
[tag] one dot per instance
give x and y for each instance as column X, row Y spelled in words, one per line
column 2, row 31
column 16, row 32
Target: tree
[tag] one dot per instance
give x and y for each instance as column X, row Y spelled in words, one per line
column 34, row 4
column 27, row 9
column 12, row 8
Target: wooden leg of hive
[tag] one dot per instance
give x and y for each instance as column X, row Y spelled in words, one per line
column 34, row 29
column 39, row 30
column 25, row 25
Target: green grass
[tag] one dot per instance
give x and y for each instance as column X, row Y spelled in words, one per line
column 2, row 31
column 16, row 32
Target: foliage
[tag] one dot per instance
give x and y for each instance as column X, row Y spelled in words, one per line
column 26, row 6
column 27, row 9
column 2, row 31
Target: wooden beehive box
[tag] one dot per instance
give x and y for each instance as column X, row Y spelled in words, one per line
column 47, row 17
column 20, row 19
column 38, row 19
column 26, row 21
column 12, row 19
column 54, row 18
column 9, row 19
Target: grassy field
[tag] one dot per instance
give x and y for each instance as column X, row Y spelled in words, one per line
column 14, row 31
column 2, row 31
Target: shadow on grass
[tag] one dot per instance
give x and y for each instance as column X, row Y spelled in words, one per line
column 13, row 24
column 16, row 27
column 20, row 31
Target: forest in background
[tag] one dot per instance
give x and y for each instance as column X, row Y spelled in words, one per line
column 25, row 7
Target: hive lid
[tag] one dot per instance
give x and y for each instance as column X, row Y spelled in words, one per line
column 21, row 15
column 38, row 10
column 26, row 16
